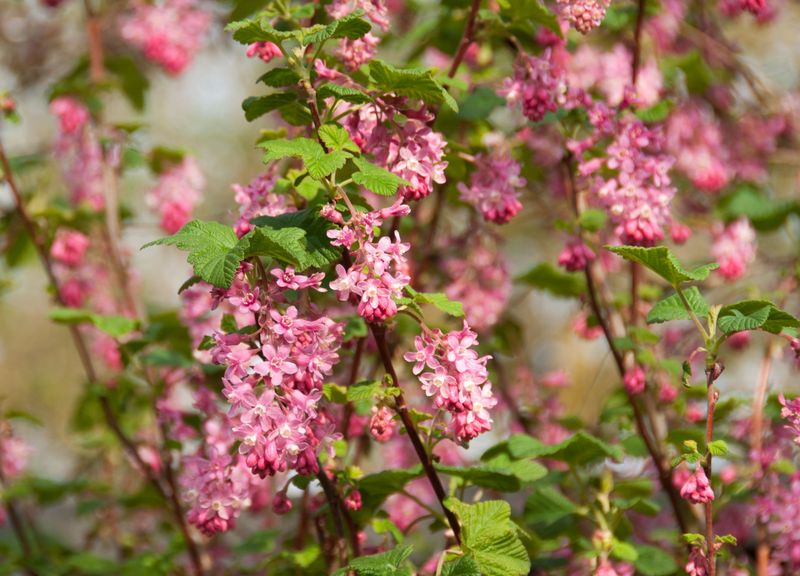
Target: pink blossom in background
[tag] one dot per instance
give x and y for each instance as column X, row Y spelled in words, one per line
column 258, row 199
column 480, row 279
column 168, row 33
column 694, row 138
column 635, row 380
column 374, row 10
column 734, row 248
column 575, row 256
column 176, row 194
column 494, row 187
column 14, row 454
column 79, row 153
column 537, row 86
column 356, row 53
column 69, row 247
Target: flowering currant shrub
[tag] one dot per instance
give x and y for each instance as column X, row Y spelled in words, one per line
column 359, row 372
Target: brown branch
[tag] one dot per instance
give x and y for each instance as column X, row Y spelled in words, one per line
column 379, row 333
column 335, row 506
column 598, row 308
column 712, row 373
column 466, row 38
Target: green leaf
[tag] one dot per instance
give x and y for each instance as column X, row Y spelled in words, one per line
column 90, row 564
column 479, row 104
column 545, row 277
column 132, row 81
column 382, row 484
column 364, row 391
column 352, row 95
column 336, row 138
column 439, row 300
column 653, row 561
column 671, row 308
column 718, row 448
column 580, row 448
column 256, row 106
column 490, row 537
column 280, row 78
column 592, row 220
column 744, row 315
column 115, row 326
column 334, row 393
column 391, row 563
column 351, row 26
column 324, row 165
column 280, row 148
column 259, row 30
column 765, row 214
column 548, row 511
column 498, row 474
column 623, row 551
column 778, row 320
column 376, row 179
column 660, row 260
column 417, row 83
column 298, row 238
column 463, row 566
column 694, row 539
column 214, row 250
column 534, row 11
column 656, row 113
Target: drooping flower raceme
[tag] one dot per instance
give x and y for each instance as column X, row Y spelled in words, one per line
column 168, row 33
column 584, row 15
column 536, row 85
column 257, row 199
column 176, row 193
column 697, row 488
column 494, row 187
column 79, row 153
column 456, row 379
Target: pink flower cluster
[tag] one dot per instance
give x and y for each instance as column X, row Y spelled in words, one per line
column 695, row 139
column 379, row 269
column 257, row 199
column 176, row 193
column 458, row 380
column 375, row 10
column 584, row 15
column 216, row 490
column 273, row 378
column 631, row 180
column 479, row 279
column 697, row 564
column 761, row 9
column 537, row 85
column 356, row 53
column 79, row 152
column 382, row 425
column 13, row 454
column 168, row 33
column 576, row 255
column 635, row 380
column 734, row 247
column 494, row 187
column 790, row 411
column 697, row 489
column 412, row 151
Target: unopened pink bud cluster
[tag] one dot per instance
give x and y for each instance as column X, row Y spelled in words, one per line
column 457, row 379
column 537, row 85
column 584, row 15
column 697, row 488
column 168, row 33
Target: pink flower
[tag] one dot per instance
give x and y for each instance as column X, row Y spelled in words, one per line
column 264, row 50
column 281, row 504
column 168, row 33
column 275, row 364
column 697, row 564
column 356, row 53
column 69, row 247
column 734, row 248
column 584, row 15
column 697, row 488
